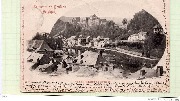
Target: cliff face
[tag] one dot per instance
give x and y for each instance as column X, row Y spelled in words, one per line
column 58, row 27
column 94, row 26
column 68, row 26
column 65, row 27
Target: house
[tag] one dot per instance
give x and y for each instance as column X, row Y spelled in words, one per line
column 94, row 60
column 58, row 53
column 68, row 59
column 106, row 40
column 158, row 29
column 40, row 46
column 82, row 40
column 96, row 41
column 34, row 57
column 141, row 36
column 107, row 67
column 88, row 39
column 89, row 58
column 101, row 44
column 100, row 41
column 91, row 43
column 41, row 58
column 72, row 41
column 71, row 52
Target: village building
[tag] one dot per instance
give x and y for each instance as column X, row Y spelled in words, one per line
column 158, row 29
column 106, row 40
column 34, row 57
column 94, row 60
column 68, row 59
column 81, row 41
column 141, row 36
column 101, row 44
column 42, row 58
column 84, row 41
column 58, row 53
column 88, row 39
column 39, row 46
column 91, row 43
column 42, row 47
column 100, row 41
column 106, row 67
column 72, row 41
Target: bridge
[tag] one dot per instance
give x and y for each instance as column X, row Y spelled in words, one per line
column 118, row 52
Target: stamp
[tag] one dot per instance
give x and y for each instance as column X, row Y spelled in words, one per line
column 112, row 46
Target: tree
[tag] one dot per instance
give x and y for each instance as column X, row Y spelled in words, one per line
column 67, row 30
column 142, row 21
column 110, row 24
column 38, row 36
column 124, row 21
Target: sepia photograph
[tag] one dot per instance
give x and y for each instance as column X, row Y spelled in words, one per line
column 117, row 46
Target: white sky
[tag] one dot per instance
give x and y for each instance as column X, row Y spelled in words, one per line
column 105, row 9
column 37, row 22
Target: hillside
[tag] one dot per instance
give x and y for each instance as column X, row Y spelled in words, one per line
column 65, row 27
column 142, row 21
column 58, row 27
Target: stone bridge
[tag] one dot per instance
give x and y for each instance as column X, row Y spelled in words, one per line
column 118, row 52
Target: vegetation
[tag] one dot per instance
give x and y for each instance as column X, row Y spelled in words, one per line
column 38, row 36
column 66, row 29
column 54, row 43
column 124, row 21
column 142, row 21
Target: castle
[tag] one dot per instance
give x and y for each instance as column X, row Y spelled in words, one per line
column 85, row 22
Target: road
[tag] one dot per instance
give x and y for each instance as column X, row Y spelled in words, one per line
column 120, row 51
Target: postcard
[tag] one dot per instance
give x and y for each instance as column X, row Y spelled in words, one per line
column 89, row 46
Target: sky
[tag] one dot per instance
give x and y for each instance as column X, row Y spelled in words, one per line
column 35, row 21
column 105, row 9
